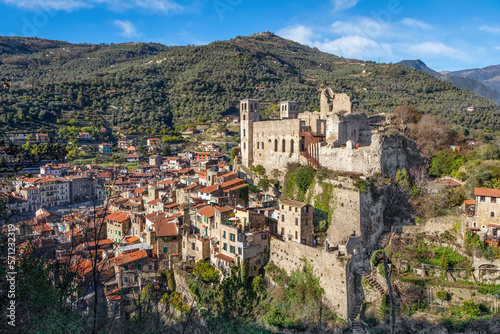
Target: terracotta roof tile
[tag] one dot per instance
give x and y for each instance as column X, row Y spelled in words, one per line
column 487, row 192
column 207, row 211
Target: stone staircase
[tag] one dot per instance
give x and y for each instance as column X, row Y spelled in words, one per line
column 357, row 328
column 370, row 278
column 310, row 160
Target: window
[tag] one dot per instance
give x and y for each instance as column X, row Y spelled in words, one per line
column 232, row 250
column 239, row 251
column 296, row 221
column 192, row 246
column 493, row 200
column 139, row 266
column 282, row 218
column 264, row 236
column 165, row 250
column 244, row 132
column 262, row 145
column 307, row 209
column 232, row 237
column 135, row 278
column 492, row 214
column 282, row 231
column 183, row 244
column 224, row 246
column 291, row 146
column 120, row 233
column 258, row 145
column 125, row 279
column 125, row 268
column 244, row 117
column 483, row 198
column 296, row 234
column 224, row 234
column 276, row 145
column 283, row 144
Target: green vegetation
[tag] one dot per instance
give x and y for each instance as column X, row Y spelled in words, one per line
column 207, row 272
column 141, row 87
column 446, row 162
column 324, row 207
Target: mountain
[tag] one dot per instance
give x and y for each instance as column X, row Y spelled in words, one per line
column 147, row 87
column 419, row 65
column 490, row 76
column 461, row 81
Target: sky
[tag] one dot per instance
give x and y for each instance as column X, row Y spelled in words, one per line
column 446, row 35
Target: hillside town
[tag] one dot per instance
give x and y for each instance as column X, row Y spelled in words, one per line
column 170, row 212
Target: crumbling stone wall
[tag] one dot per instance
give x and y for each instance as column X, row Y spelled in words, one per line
column 334, row 272
column 386, row 154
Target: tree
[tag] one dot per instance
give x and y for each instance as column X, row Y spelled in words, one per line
column 263, row 184
column 493, row 183
column 208, row 273
column 445, row 162
column 259, row 170
column 304, row 178
column 166, row 150
column 234, row 151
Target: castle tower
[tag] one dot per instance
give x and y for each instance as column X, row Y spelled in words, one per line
column 289, row 109
column 249, row 113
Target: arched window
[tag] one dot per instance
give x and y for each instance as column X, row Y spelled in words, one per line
column 283, row 143
column 258, row 145
column 276, row 145
column 291, row 146
column 244, row 117
column 262, row 145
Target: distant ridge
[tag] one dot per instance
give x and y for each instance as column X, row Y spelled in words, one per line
column 461, row 79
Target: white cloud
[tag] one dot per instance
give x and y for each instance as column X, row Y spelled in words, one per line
column 494, row 30
column 354, row 47
column 339, row 5
column 497, row 47
column 432, row 49
column 162, row 6
column 300, row 34
column 363, row 26
column 128, row 29
column 38, row 5
column 415, row 23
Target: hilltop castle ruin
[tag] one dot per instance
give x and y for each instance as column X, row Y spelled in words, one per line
column 335, row 138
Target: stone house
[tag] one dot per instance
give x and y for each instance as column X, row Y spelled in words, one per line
column 483, row 214
column 295, row 222
column 117, row 226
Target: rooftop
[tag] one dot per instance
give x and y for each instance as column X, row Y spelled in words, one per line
column 487, row 192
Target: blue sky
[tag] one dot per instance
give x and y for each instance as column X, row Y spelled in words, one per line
column 446, row 35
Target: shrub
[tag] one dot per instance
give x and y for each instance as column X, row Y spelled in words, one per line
column 443, row 295
column 208, row 273
column 471, row 309
column 384, row 310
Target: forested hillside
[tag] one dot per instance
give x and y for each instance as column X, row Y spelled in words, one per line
column 150, row 85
